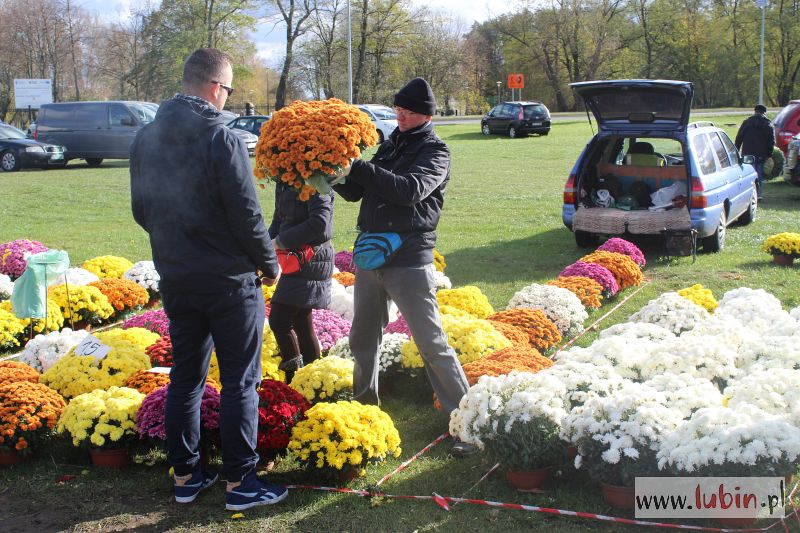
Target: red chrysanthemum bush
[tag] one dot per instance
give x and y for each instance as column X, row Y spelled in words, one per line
column 160, row 352
column 280, row 408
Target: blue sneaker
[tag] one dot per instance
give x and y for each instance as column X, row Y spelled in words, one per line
column 253, row 492
column 201, row 480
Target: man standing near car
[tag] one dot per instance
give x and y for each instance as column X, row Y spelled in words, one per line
column 192, row 191
column 402, row 191
column 756, row 137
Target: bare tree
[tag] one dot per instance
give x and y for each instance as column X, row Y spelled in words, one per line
column 295, row 14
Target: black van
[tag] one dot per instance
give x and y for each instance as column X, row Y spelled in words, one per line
column 93, row 130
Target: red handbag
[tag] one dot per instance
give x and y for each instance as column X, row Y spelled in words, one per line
column 292, row 261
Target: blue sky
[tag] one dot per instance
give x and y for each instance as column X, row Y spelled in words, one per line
column 270, row 38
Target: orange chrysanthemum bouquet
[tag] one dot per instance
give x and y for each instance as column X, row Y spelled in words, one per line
column 307, row 143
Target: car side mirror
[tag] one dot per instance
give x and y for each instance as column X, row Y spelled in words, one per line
column 749, row 160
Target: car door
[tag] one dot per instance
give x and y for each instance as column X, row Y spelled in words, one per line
column 730, row 177
column 122, row 128
column 492, row 117
column 745, row 175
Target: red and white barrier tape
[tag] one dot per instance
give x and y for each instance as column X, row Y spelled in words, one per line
column 413, row 458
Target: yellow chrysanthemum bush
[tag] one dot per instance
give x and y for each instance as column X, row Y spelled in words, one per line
column 786, row 243
column 53, row 322
column 701, row 296
column 438, row 261
column 107, row 266
column 343, row 436
column 140, row 337
column 468, row 298
column 270, row 359
column 81, row 303
column 102, row 418
column 73, row 375
column 471, row 338
column 327, row 379
column 305, row 143
column 11, row 331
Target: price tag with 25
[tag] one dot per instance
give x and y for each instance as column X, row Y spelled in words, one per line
column 91, row 345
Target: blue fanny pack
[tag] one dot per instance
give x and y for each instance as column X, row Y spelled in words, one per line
column 372, row 250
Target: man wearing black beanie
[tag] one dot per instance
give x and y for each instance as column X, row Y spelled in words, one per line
column 402, row 192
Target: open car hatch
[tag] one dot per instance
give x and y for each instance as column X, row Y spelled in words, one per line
column 638, row 105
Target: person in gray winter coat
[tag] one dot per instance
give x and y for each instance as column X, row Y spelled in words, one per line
column 402, row 191
column 295, row 224
column 756, row 137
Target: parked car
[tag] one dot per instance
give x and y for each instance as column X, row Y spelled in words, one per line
column 93, row 130
column 249, row 139
column 644, row 144
column 18, row 151
column 517, row 119
column 251, row 123
column 787, row 124
column 791, row 170
column 383, row 118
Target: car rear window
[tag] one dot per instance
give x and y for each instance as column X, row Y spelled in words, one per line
column 784, row 115
column 384, row 113
column 704, row 154
column 533, row 111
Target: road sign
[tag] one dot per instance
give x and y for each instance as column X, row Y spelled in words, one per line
column 32, row 93
column 516, row 81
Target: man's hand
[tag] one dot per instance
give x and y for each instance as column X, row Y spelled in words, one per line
column 340, row 175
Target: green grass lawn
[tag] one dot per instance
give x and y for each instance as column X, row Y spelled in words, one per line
column 501, row 230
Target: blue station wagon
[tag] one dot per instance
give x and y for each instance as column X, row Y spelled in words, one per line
column 645, row 144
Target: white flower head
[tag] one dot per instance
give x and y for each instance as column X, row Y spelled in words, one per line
column 144, row 274
column 559, row 304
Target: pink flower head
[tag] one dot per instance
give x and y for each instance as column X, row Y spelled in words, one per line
column 621, row 246
column 344, row 262
column 155, row 320
column 13, row 256
column 599, row 273
column 150, row 418
column 329, row 327
column 398, row 326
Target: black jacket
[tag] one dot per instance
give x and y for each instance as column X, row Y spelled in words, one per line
column 294, row 224
column 192, row 191
column 756, row 136
column 402, row 190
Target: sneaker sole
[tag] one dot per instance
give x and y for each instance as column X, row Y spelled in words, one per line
column 231, row 507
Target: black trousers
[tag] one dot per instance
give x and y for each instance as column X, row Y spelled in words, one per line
column 294, row 332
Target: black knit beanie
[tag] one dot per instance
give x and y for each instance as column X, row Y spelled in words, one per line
column 416, row 96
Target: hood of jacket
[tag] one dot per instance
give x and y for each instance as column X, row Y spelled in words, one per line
column 182, row 120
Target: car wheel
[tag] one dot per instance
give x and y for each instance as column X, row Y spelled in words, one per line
column 512, row 132
column 94, row 161
column 749, row 216
column 485, row 129
column 585, row 240
column 716, row 241
column 9, row 161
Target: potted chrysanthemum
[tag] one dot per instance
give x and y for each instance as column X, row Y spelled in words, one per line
column 784, row 247
column 28, row 415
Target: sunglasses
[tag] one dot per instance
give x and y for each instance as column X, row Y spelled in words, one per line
column 228, row 88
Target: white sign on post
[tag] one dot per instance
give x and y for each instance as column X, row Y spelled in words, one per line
column 91, row 345
column 32, row 93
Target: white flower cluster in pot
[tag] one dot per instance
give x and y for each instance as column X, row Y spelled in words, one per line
column 43, row 351
column 760, row 352
column 721, row 436
column 480, row 408
column 707, row 357
column 584, row 381
column 559, row 304
column 543, row 396
column 637, row 330
column 74, row 276
column 775, row 394
column 686, row 392
column 144, row 273
column 389, row 352
column 671, row 311
column 632, row 420
column 441, row 281
column 625, row 355
column 756, row 308
column 795, row 313
column 6, row 287
column 341, row 300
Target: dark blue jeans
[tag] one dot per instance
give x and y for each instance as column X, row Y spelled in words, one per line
column 233, row 322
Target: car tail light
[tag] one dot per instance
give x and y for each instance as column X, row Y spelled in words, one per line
column 35, row 134
column 699, row 199
column 569, row 190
